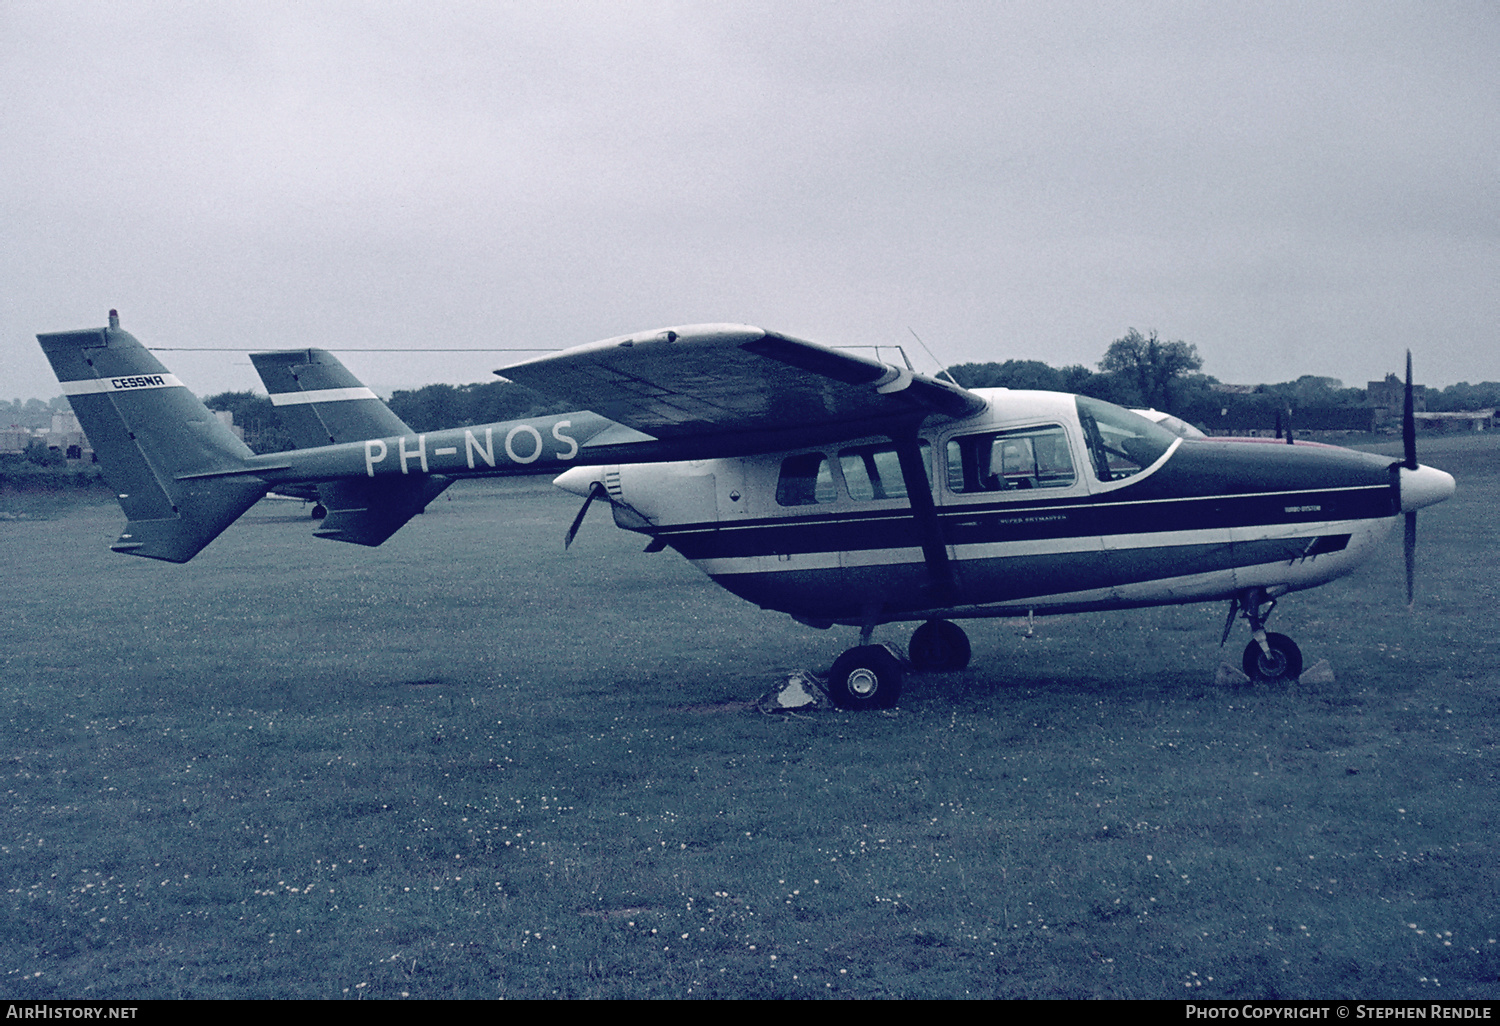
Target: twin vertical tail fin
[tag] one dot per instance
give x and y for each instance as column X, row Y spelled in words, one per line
column 182, row 476
column 322, row 403
column 173, row 465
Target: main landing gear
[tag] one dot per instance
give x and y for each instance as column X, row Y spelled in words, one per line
column 870, row 676
column 865, row 677
column 938, row 646
column 1270, row 657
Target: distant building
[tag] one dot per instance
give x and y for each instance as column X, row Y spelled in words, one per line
column 1248, row 422
column 66, row 435
column 15, row 439
column 1454, row 422
column 1388, row 398
column 1333, row 418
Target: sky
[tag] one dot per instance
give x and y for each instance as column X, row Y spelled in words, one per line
column 1294, row 188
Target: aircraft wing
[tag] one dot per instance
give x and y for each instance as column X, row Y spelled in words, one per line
column 736, row 389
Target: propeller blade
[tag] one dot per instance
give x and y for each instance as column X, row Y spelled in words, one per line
column 1411, row 559
column 1409, row 445
column 594, row 492
column 1409, row 421
column 1416, row 486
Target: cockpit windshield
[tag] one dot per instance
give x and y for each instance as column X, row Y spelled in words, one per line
column 1120, row 443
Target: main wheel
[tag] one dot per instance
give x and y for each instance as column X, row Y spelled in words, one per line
column 1283, row 664
column 867, row 677
column 938, row 646
column 319, row 511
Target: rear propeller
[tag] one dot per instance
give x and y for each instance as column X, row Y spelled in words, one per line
column 596, row 491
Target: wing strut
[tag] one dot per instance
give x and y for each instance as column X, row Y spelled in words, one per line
column 919, row 491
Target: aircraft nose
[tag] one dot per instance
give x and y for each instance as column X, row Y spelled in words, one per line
column 1421, row 487
column 581, row 480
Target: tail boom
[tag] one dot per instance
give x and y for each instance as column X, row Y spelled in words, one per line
column 182, row 477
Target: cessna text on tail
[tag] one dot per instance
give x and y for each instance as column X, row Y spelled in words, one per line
column 829, row 486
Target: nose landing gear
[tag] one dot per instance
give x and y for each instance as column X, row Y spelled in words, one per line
column 1270, row 657
column 1276, row 660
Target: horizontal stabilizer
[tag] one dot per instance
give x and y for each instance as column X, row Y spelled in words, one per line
column 161, row 449
column 367, row 511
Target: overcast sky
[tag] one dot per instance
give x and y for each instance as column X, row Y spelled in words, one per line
column 1298, row 188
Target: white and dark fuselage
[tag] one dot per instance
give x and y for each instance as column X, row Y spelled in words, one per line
column 1042, row 501
column 827, row 485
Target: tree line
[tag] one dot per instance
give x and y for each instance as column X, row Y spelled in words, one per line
column 1143, row 371
column 1137, row 370
column 430, row 408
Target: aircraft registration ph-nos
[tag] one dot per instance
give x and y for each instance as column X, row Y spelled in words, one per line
column 827, row 485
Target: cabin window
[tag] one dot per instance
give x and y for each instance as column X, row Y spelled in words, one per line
column 874, row 471
column 1120, row 443
column 1011, row 461
column 806, row 480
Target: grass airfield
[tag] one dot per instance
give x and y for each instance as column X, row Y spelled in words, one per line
column 467, row 764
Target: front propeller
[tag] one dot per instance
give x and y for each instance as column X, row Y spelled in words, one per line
column 1416, row 485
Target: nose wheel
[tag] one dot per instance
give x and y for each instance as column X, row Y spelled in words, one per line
column 1282, row 663
column 1270, row 658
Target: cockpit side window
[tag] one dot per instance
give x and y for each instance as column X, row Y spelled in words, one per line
column 806, row 480
column 874, row 471
column 1120, row 443
column 1011, row 461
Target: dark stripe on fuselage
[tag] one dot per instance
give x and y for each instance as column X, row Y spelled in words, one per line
column 1204, row 486
column 990, row 524
column 842, row 593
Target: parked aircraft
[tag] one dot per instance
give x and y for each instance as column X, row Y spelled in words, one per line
column 827, row 485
